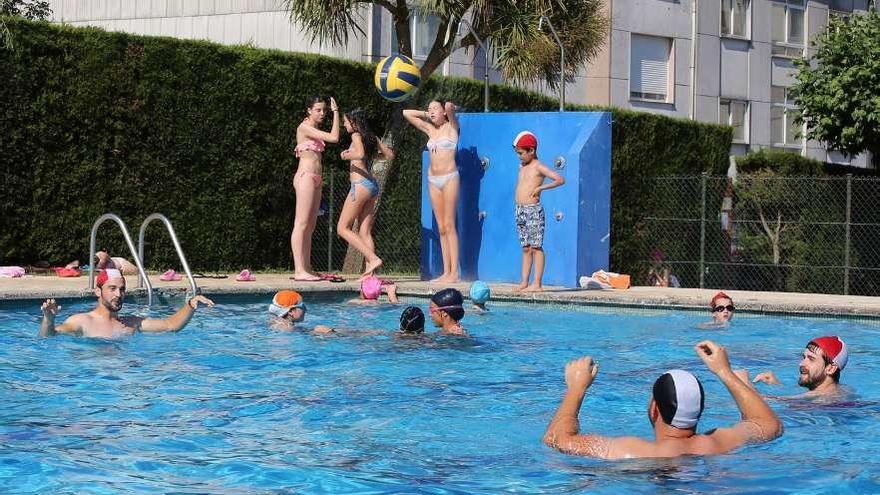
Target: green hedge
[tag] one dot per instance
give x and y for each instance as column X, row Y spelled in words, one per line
column 93, row 121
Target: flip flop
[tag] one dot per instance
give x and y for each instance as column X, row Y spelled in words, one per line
column 245, row 276
column 202, row 275
column 385, row 281
column 306, row 279
column 331, row 277
column 170, row 276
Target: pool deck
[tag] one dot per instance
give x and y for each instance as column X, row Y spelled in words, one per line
column 44, row 286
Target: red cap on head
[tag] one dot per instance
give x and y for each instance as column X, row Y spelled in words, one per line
column 525, row 139
column 834, row 348
column 716, row 297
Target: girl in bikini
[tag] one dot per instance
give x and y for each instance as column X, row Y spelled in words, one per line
column 361, row 201
column 441, row 127
column 307, row 182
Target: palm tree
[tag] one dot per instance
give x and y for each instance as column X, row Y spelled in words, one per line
column 523, row 52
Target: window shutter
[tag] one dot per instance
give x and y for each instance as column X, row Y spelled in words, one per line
column 649, row 67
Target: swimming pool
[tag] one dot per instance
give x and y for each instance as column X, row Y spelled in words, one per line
column 228, row 406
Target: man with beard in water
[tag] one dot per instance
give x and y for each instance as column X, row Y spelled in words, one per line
column 104, row 320
column 819, row 372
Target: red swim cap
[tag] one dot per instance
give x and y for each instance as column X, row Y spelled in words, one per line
column 834, row 348
column 525, row 139
column 719, row 295
column 106, row 275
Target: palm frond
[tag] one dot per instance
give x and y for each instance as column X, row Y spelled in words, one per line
column 328, row 21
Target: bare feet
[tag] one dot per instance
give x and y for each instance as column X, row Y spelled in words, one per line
column 522, row 286
column 533, row 288
column 372, row 266
column 306, row 277
column 440, row 279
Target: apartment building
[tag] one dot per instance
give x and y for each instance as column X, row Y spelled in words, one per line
column 725, row 61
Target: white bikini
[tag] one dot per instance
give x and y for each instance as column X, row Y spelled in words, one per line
column 442, row 144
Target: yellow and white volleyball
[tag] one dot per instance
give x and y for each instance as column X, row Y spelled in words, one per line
column 397, row 77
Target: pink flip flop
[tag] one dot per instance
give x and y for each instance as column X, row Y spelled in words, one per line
column 245, row 276
column 170, row 276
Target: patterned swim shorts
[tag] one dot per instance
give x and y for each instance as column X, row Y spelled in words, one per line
column 530, row 224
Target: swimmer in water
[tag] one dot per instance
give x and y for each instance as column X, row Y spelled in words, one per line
column 819, row 371
column 104, row 321
column 446, row 312
column 288, row 309
column 480, row 294
column 722, row 309
column 676, row 405
column 412, row 322
column 371, row 288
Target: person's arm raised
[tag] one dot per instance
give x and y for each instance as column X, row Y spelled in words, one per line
column 417, row 119
column 562, row 432
column 327, row 137
column 450, row 109
column 178, row 320
column 48, row 328
column 759, row 422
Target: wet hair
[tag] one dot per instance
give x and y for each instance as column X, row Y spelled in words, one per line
column 358, row 119
column 412, row 320
column 450, row 297
column 312, row 100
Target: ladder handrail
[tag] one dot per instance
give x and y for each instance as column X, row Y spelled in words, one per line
column 180, row 255
column 137, row 260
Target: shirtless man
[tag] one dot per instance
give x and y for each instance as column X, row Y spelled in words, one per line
column 676, row 404
column 104, row 320
column 819, row 371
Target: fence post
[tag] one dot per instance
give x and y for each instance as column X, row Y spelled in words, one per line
column 846, row 249
column 330, row 233
column 703, row 229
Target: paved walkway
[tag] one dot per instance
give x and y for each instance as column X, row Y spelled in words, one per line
column 39, row 287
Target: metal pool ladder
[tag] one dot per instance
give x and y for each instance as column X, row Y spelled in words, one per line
column 137, row 260
column 180, row 255
column 143, row 280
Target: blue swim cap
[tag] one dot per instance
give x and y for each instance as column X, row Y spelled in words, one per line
column 480, row 292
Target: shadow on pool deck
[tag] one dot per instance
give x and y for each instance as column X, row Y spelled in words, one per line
column 39, row 287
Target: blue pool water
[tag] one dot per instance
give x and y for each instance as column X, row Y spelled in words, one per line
column 228, row 406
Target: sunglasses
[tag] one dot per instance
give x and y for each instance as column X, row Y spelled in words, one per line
column 718, row 309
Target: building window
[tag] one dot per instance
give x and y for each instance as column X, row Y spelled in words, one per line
column 735, row 113
column 649, row 68
column 734, row 18
column 788, row 28
column 783, row 131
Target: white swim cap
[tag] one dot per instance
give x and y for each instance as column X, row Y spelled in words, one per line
column 679, row 396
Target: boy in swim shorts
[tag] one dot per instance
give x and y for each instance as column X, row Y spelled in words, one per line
column 529, row 211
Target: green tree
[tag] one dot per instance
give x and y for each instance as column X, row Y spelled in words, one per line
column 523, row 52
column 836, row 88
column 29, row 9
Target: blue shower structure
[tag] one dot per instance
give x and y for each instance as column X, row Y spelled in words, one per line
column 578, row 215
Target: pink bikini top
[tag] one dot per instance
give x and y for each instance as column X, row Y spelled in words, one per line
column 315, row 145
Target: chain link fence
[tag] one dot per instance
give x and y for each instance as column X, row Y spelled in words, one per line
column 396, row 230
column 763, row 232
